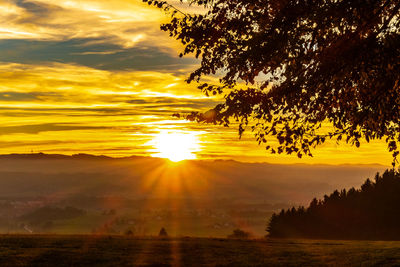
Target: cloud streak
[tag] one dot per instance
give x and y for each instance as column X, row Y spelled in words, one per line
column 38, row 128
column 86, row 52
column 124, row 22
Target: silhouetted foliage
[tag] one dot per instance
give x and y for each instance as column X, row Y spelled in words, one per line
column 163, row 233
column 372, row 212
column 129, row 232
column 239, row 234
column 303, row 63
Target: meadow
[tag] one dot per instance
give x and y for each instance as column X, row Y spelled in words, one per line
column 100, row 250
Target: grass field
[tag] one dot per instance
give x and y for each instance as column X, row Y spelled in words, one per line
column 25, row 250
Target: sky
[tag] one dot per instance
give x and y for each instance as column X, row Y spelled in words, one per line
column 100, row 77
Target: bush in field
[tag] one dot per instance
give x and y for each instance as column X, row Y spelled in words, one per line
column 129, row 232
column 239, row 234
column 163, row 233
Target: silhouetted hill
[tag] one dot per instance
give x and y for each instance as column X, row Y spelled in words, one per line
column 371, row 212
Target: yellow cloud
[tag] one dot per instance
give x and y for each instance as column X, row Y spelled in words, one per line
column 123, row 22
column 122, row 103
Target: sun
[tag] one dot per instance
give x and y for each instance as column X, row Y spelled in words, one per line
column 176, row 146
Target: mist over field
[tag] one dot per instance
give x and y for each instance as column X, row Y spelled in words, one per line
column 138, row 195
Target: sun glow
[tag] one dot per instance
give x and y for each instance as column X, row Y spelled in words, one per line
column 176, row 146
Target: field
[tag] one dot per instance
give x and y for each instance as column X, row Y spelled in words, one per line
column 53, row 250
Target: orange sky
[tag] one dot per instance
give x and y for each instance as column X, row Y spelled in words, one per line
column 99, row 77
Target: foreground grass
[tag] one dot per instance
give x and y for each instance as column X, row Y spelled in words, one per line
column 25, row 250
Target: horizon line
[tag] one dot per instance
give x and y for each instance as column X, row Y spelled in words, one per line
column 105, row 157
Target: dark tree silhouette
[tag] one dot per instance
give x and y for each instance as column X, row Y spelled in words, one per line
column 162, row 233
column 303, row 62
column 239, row 234
column 129, row 232
column 372, row 212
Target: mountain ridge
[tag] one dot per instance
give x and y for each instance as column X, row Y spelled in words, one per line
column 85, row 156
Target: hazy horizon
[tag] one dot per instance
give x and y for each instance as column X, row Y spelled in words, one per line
column 194, row 197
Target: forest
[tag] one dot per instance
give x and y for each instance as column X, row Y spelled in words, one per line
column 369, row 213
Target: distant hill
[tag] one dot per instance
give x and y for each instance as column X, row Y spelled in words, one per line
column 195, row 198
column 52, row 213
column 34, row 175
column 371, row 212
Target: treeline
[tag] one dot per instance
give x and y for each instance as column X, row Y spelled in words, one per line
column 371, row 212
